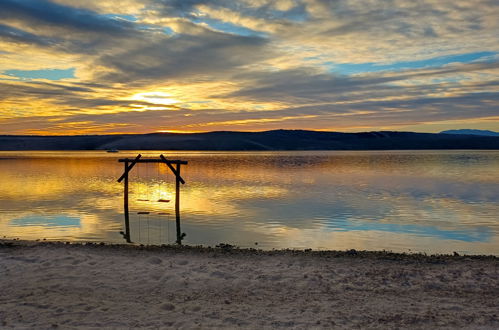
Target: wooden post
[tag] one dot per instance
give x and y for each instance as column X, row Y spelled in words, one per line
column 177, row 204
column 125, row 206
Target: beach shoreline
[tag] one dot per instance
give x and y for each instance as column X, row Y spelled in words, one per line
column 72, row 285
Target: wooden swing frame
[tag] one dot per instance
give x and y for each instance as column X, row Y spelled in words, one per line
column 174, row 166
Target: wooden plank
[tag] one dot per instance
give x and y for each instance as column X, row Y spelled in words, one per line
column 128, row 168
column 154, row 160
column 175, row 171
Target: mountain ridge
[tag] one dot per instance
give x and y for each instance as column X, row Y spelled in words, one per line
column 481, row 132
column 265, row 140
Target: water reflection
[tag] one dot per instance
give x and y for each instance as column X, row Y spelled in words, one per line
column 150, row 228
column 57, row 221
column 432, row 201
column 151, row 215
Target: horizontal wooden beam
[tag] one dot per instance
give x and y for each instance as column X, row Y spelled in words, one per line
column 153, row 160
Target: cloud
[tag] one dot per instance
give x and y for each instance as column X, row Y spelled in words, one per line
column 45, row 14
column 249, row 64
column 309, row 87
column 63, row 29
column 11, row 34
column 204, row 54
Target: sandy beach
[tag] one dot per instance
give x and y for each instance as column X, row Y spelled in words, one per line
column 58, row 285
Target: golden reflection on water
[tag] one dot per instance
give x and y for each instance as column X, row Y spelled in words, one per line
column 422, row 201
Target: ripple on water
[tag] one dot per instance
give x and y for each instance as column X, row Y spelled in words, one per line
column 438, row 201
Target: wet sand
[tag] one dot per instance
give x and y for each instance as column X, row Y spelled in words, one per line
column 49, row 285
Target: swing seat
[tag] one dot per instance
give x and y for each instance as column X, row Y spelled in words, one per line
column 143, row 212
column 143, row 200
column 162, row 213
column 163, row 200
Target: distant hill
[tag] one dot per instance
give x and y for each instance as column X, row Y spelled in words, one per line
column 471, row 132
column 269, row 140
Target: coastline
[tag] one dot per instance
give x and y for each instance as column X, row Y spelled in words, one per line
column 56, row 284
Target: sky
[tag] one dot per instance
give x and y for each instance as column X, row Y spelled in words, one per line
column 130, row 66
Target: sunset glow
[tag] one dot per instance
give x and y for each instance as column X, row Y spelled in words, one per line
column 159, row 98
column 105, row 67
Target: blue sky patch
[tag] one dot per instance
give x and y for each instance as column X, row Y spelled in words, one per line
column 355, row 68
column 50, row 74
column 168, row 31
column 130, row 18
column 229, row 27
column 296, row 14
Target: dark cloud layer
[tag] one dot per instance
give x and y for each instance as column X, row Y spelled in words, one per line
column 184, row 56
column 63, row 28
column 46, row 13
column 11, row 34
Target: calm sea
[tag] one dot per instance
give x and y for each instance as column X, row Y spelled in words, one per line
column 405, row 201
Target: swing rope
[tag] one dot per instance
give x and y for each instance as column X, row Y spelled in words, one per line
column 158, row 193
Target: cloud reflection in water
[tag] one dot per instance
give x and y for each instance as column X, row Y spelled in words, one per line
column 431, row 201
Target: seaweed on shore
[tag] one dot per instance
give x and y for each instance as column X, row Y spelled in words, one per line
column 228, row 249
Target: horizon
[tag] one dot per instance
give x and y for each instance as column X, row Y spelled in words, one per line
column 135, row 67
column 262, row 131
